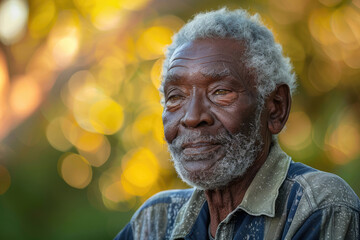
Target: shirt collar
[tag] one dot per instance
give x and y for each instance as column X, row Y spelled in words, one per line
column 259, row 198
column 263, row 191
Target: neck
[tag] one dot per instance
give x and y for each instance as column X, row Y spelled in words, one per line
column 225, row 200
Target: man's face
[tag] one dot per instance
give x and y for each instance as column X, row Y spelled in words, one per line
column 210, row 118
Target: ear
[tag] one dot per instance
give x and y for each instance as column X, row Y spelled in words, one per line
column 278, row 105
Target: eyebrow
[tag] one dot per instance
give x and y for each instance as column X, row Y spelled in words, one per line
column 171, row 77
column 215, row 74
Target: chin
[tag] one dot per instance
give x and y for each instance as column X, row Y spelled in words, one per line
column 216, row 177
column 239, row 152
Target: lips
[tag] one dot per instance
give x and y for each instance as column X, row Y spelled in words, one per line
column 196, row 148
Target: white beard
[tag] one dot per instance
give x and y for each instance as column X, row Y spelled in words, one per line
column 240, row 153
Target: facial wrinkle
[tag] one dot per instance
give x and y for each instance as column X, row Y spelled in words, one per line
column 241, row 152
column 215, row 74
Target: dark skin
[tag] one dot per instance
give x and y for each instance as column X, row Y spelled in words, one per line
column 209, row 89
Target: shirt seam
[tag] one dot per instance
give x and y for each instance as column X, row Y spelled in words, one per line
column 184, row 235
column 319, row 206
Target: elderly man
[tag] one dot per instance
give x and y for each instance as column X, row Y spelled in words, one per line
column 227, row 93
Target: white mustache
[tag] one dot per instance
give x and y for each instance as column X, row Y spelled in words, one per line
column 197, row 136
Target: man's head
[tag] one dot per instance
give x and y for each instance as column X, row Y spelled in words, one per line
column 226, row 88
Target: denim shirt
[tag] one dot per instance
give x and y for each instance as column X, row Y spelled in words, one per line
column 286, row 200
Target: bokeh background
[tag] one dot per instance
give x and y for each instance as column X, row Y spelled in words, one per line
column 81, row 141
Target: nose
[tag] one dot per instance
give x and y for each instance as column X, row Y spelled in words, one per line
column 197, row 114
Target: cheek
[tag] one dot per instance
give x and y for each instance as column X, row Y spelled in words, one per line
column 171, row 124
column 236, row 119
column 231, row 121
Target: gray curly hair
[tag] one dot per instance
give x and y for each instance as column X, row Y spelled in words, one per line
column 262, row 54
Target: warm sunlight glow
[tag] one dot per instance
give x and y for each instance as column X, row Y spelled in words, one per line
column 56, row 136
column 140, row 171
column 75, row 170
column 13, row 19
column 25, row 96
column 297, row 134
column 152, row 42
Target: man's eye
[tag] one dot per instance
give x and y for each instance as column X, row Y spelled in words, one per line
column 221, row 92
column 174, row 98
column 174, row 101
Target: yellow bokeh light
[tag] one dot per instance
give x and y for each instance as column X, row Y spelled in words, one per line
column 108, row 177
column 81, row 108
column 111, row 74
column 70, row 129
column 344, row 140
column 56, row 136
column 25, row 96
column 352, row 17
column 150, row 95
column 140, row 172
column 152, row 42
column 351, row 58
column 130, row 53
column 294, row 49
column 134, row 4
column 88, row 141
column 330, row 3
column 4, row 79
column 340, row 24
column 92, row 109
column 42, row 19
column 106, row 116
column 105, row 15
column 113, row 193
column 348, row 139
column 158, row 130
column 86, row 6
column 355, row 3
column 155, row 73
column 4, row 84
column 102, row 7
column 334, row 52
column 171, row 21
column 80, row 138
column 130, row 137
column 319, row 26
column 5, row 180
column 41, row 68
column 287, row 12
column 75, row 170
column 81, row 84
column 116, row 193
column 81, row 111
column 65, row 50
column 339, row 34
column 295, row 6
column 297, row 134
column 109, row 18
column 150, row 122
column 13, row 19
column 63, row 42
column 123, row 206
column 98, row 156
column 324, row 76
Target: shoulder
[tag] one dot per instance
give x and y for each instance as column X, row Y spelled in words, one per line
column 322, row 189
column 165, row 198
column 319, row 205
column 156, row 217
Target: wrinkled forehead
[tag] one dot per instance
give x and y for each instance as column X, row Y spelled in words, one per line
column 207, row 51
column 215, row 58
